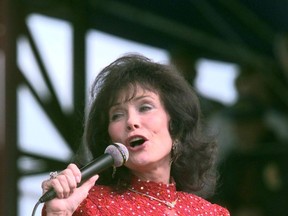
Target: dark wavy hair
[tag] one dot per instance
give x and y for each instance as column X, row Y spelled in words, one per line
column 193, row 160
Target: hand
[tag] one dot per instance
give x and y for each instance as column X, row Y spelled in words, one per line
column 69, row 196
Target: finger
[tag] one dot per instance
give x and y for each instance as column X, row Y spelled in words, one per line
column 57, row 186
column 69, row 178
column 68, row 184
column 46, row 185
column 76, row 172
column 81, row 192
column 65, row 182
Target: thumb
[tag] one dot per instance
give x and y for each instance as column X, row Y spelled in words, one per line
column 87, row 185
column 81, row 192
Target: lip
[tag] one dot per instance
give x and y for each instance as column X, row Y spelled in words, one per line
column 127, row 142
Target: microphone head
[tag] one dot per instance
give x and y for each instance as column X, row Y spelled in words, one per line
column 119, row 153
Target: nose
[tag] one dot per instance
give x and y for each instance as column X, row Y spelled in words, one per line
column 132, row 126
column 132, row 122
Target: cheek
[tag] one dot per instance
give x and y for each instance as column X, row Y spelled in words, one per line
column 160, row 125
column 113, row 131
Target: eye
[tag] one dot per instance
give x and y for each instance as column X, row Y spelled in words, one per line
column 115, row 116
column 145, row 107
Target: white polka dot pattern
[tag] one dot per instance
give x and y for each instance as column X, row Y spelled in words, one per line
column 105, row 202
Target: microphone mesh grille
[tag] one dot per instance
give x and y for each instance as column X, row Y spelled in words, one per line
column 119, row 153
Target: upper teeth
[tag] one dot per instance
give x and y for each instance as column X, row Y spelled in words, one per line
column 135, row 139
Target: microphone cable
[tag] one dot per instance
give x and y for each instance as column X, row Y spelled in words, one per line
column 35, row 208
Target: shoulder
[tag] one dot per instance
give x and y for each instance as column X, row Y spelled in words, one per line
column 200, row 204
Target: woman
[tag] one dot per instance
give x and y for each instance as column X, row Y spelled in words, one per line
column 154, row 112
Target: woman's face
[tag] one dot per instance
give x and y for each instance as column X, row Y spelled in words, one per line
column 142, row 125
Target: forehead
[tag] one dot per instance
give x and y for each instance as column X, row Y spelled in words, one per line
column 131, row 92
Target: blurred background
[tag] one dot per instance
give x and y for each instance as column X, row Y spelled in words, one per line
column 234, row 53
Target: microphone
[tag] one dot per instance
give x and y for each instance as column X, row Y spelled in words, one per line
column 115, row 154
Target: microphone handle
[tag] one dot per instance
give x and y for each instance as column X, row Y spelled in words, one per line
column 94, row 167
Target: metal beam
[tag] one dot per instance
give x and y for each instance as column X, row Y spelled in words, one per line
column 79, row 22
column 188, row 34
column 8, row 122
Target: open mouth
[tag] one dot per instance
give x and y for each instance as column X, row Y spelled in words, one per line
column 137, row 141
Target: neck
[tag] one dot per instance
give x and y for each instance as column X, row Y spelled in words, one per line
column 156, row 171
column 163, row 177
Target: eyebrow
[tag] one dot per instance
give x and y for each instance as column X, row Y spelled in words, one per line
column 133, row 99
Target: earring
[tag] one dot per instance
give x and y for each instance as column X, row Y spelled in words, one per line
column 171, row 128
column 175, row 150
column 175, row 144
